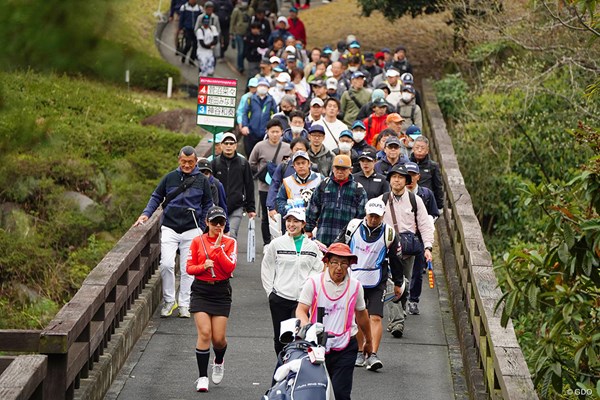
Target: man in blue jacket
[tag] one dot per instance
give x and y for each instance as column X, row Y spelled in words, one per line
column 260, row 108
column 185, row 197
column 188, row 13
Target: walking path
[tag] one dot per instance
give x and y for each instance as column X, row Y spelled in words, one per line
column 424, row 364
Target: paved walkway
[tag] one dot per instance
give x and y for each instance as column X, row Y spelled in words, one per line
column 424, row 364
column 163, row 365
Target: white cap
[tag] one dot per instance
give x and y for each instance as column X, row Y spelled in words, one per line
column 318, row 101
column 331, row 83
column 274, row 59
column 282, row 19
column 297, row 213
column 375, row 206
column 283, row 77
column 291, row 49
column 392, row 72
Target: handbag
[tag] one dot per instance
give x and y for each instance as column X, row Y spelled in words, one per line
column 410, row 242
column 269, row 168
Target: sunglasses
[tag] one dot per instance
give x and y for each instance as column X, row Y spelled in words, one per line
column 217, row 222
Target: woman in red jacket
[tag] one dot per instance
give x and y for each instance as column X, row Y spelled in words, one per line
column 376, row 122
column 211, row 260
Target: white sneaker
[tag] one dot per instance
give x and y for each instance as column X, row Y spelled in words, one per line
column 202, row 384
column 184, row 312
column 167, row 309
column 217, row 373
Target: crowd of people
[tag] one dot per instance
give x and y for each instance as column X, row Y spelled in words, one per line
column 348, row 194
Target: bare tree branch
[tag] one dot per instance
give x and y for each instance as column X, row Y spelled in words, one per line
column 559, row 19
column 582, row 22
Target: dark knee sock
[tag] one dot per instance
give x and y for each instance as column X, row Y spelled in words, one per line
column 202, row 357
column 219, row 354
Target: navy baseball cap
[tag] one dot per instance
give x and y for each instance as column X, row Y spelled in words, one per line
column 215, row 212
column 316, row 128
column 412, row 167
column 368, row 155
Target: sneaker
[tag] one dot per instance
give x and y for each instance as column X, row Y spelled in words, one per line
column 373, row 363
column 360, row 359
column 297, row 5
column 326, row 1
column 305, row 6
column 217, row 373
column 184, row 312
column 168, row 309
column 202, row 384
column 413, row 308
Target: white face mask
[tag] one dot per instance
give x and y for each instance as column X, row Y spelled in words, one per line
column 353, row 69
column 345, row 147
column 358, row 136
column 407, row 97
column 262, row 90
column 280, row 86
column 296, row 129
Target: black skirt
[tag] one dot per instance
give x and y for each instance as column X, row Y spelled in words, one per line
column 213, row 299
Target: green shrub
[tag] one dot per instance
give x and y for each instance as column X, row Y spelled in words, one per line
column 452, row 92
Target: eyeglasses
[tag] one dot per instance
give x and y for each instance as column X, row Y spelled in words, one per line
column 393, row 147
column 339, row 264
column 217, row 222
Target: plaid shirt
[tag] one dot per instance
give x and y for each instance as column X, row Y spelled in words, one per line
column 332, row 206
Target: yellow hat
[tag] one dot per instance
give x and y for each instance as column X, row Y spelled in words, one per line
column 342, row 160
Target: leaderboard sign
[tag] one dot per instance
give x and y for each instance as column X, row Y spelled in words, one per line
column 216, row 102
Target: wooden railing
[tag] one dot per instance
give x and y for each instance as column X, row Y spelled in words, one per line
column 76, row 338
column 505, row 371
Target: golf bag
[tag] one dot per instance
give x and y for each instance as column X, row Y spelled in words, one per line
column 301, row 372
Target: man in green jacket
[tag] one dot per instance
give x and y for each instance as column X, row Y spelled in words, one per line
column 238, row 27
column 354, row 98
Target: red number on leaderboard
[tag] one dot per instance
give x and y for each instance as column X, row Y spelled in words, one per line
column 201, row 99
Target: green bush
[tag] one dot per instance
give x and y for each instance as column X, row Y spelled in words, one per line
column 452, row 93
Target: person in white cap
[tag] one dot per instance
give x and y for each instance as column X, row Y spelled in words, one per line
column 394, row 84
column 281, row 31
column 289, row 261
column 378, row 250
column 297, row 189
column 278, row 91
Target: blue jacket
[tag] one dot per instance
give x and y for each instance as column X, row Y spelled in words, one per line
column 188, row 16
column 258, row 113
column 176, row 215
column 429, row 199
column 175, row 6
column 383, row 166
column 239, row 113
column 279, row 33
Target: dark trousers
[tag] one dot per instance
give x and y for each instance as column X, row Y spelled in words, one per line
column 224, row 39
column 281, row 309
column 264, row 223
column 416, row 280
column 249, row 143
column 190, row 42
column 340, row 365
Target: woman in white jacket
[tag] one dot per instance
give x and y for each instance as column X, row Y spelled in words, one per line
column 290, row 259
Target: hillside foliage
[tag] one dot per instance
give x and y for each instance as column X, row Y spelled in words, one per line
column 524, row 113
